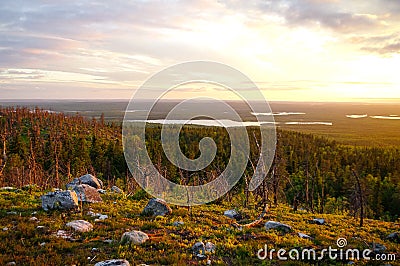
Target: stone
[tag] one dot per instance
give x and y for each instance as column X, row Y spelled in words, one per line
column 318, row 221
column 210, row 247
column 63, row 234
column 394, row 237
column 134, row 237
column 11, row 263
column 116, row 189
column 80, row 226
column 101, row 191
column 64, row 200
column 233, row 214
column 8, row 188
column 33, row 219
column 87, row 194
column 118, row 262
column 87, row 180
column 178, row 223
column 5, row 229
column 157, row 207
column 301, row 235
column 199, row 248
column 277, row 226
column 378, row 248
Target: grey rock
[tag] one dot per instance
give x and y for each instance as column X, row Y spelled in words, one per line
column 108, row 241
column 12, row 213
column 199, row 248
column 64, row 200
column 210, row 247
column 134, row 237
column 319, row 221
column 101, row 191
column 87, row 180
column 394, row 237
column 33, row 219
column 301, row 235
column 63, row 234
column 378, row 248
column 116, row 189
column 233, row 214
column 278, row 226
column 80, row 226
column 178, row 223
column 118, row 262
column 157, row 207
column 11, row 263
column 8, row 188
column 5, row 229
column 87, row 193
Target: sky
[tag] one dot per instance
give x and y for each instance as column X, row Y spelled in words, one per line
column 294, row 50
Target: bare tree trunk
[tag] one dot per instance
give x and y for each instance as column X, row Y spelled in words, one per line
column 360, row 196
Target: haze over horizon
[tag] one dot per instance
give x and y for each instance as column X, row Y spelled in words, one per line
column 294, row 50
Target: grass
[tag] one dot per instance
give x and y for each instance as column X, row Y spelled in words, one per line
column 168, row 244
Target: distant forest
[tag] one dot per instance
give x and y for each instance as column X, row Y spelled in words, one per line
column 320, row 175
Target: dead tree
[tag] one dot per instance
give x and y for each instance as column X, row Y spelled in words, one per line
column 359, row 197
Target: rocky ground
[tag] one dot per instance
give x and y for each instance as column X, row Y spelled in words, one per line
column 91, row 225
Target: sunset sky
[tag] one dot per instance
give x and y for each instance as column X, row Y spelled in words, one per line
column 302, row 50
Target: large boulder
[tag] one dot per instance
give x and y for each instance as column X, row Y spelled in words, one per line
column 87, row 180
column 87, row 193
column 134, row 237
column 113, row 263
column 80, row 226
column 157, row 207
column 278, row 226
column 63, row 200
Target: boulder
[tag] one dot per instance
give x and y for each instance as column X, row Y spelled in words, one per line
column 378, row 248
column 157, row 207
column 113, row 263
column 80, row 226
column 134, row 237
column 64, row 200
column 116, row 189
column 87, row 180
column 394, row 237
column 199, row 248
column 210, row 247
column 178, row 223
column 87, row 193
column 318, row 221
column 301, row 235
column 233, row 214
column 278, row 226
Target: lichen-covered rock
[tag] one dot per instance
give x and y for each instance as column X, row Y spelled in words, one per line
column 394, row 237
column 199, row 248
column 63, row 200
column 87, row 180
column 134, row 237
column 113, row 263
column 157, row 207
column 233, row 214
column 278, row 226
column 116, row 189
column 80, row 226
column 318, row 221
column 87, row 193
